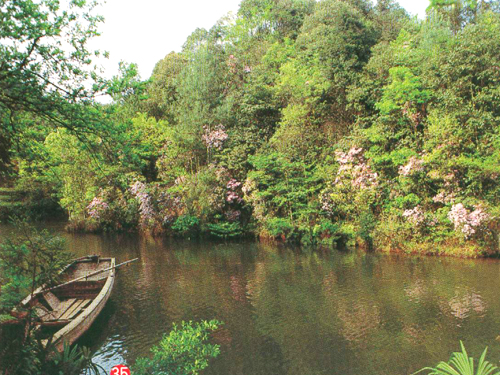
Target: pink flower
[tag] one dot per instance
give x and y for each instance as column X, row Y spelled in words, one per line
column 96, row 208
column 233, row 184
column 467, row 222
column 231, row 194
column 444, row 197
column 415, row 215
column 214, row 138
column 414, row 165
column 353, row 167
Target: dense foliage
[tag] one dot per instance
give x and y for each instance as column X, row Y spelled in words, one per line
column 332, row 122
column 184, row 351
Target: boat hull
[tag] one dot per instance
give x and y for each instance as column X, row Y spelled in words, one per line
column 76, row 303
column 76, row 328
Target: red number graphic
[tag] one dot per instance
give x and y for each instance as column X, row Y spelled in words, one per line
column 120, row 370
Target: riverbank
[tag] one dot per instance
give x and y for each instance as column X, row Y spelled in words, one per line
column 398, row 242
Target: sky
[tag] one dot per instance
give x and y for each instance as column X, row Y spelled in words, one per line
column 144, row 31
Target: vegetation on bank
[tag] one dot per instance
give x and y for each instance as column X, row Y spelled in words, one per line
column 332, row 122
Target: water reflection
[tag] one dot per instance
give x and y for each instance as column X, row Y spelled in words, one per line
column 292, row 312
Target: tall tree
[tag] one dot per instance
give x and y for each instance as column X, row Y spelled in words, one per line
column 45, row 65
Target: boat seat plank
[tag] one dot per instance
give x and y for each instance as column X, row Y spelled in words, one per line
column 52, row 300
column 63, row 307
column 43, row 314
column 69, row 311
column 79, row 309
column 41, row 311
column 48, row 317
column 86, row 303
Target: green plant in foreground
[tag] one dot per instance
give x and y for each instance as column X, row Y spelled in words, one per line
column 184, row 351
column 71, row 360
column 461, row 364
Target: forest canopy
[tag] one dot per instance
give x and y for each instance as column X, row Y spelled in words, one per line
column 338, row 122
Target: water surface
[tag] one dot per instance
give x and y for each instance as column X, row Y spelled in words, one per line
column 290, row 311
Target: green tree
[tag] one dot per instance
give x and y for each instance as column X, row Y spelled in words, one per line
column 45, row 66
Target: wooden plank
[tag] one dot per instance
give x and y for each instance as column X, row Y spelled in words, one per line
column 54, row 323
column 52, row 300
column 65, row 305
column 86, row 303
column 80, row 308
column 40, row 311
column 73, row 307
column 43, row 314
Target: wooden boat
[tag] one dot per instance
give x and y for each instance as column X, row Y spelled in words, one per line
column 66, row 311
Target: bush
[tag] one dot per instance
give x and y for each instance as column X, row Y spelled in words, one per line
column 184, row 351
column 186, row 225
column 326, row 232
column 278, row 227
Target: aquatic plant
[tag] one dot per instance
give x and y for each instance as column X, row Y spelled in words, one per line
column 461, row 364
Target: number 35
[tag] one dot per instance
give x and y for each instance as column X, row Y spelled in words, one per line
column 120, row 370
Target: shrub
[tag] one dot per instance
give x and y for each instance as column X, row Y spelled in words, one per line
column 278, row 227
column 184, row 351
column 186, row 225
column 326, row 232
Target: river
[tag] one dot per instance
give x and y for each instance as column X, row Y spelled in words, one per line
column 291, row 311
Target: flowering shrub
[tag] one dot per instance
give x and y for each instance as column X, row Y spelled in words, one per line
column 231, row 195
column 444, row 197
column 354, row 167
column 252, row 195
column 214, row 138
column 467, row 222
column 97, row 208
column 327, row 204
column 414, row 165
column 415, row 215
column 170, row 206
column 146, row 209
